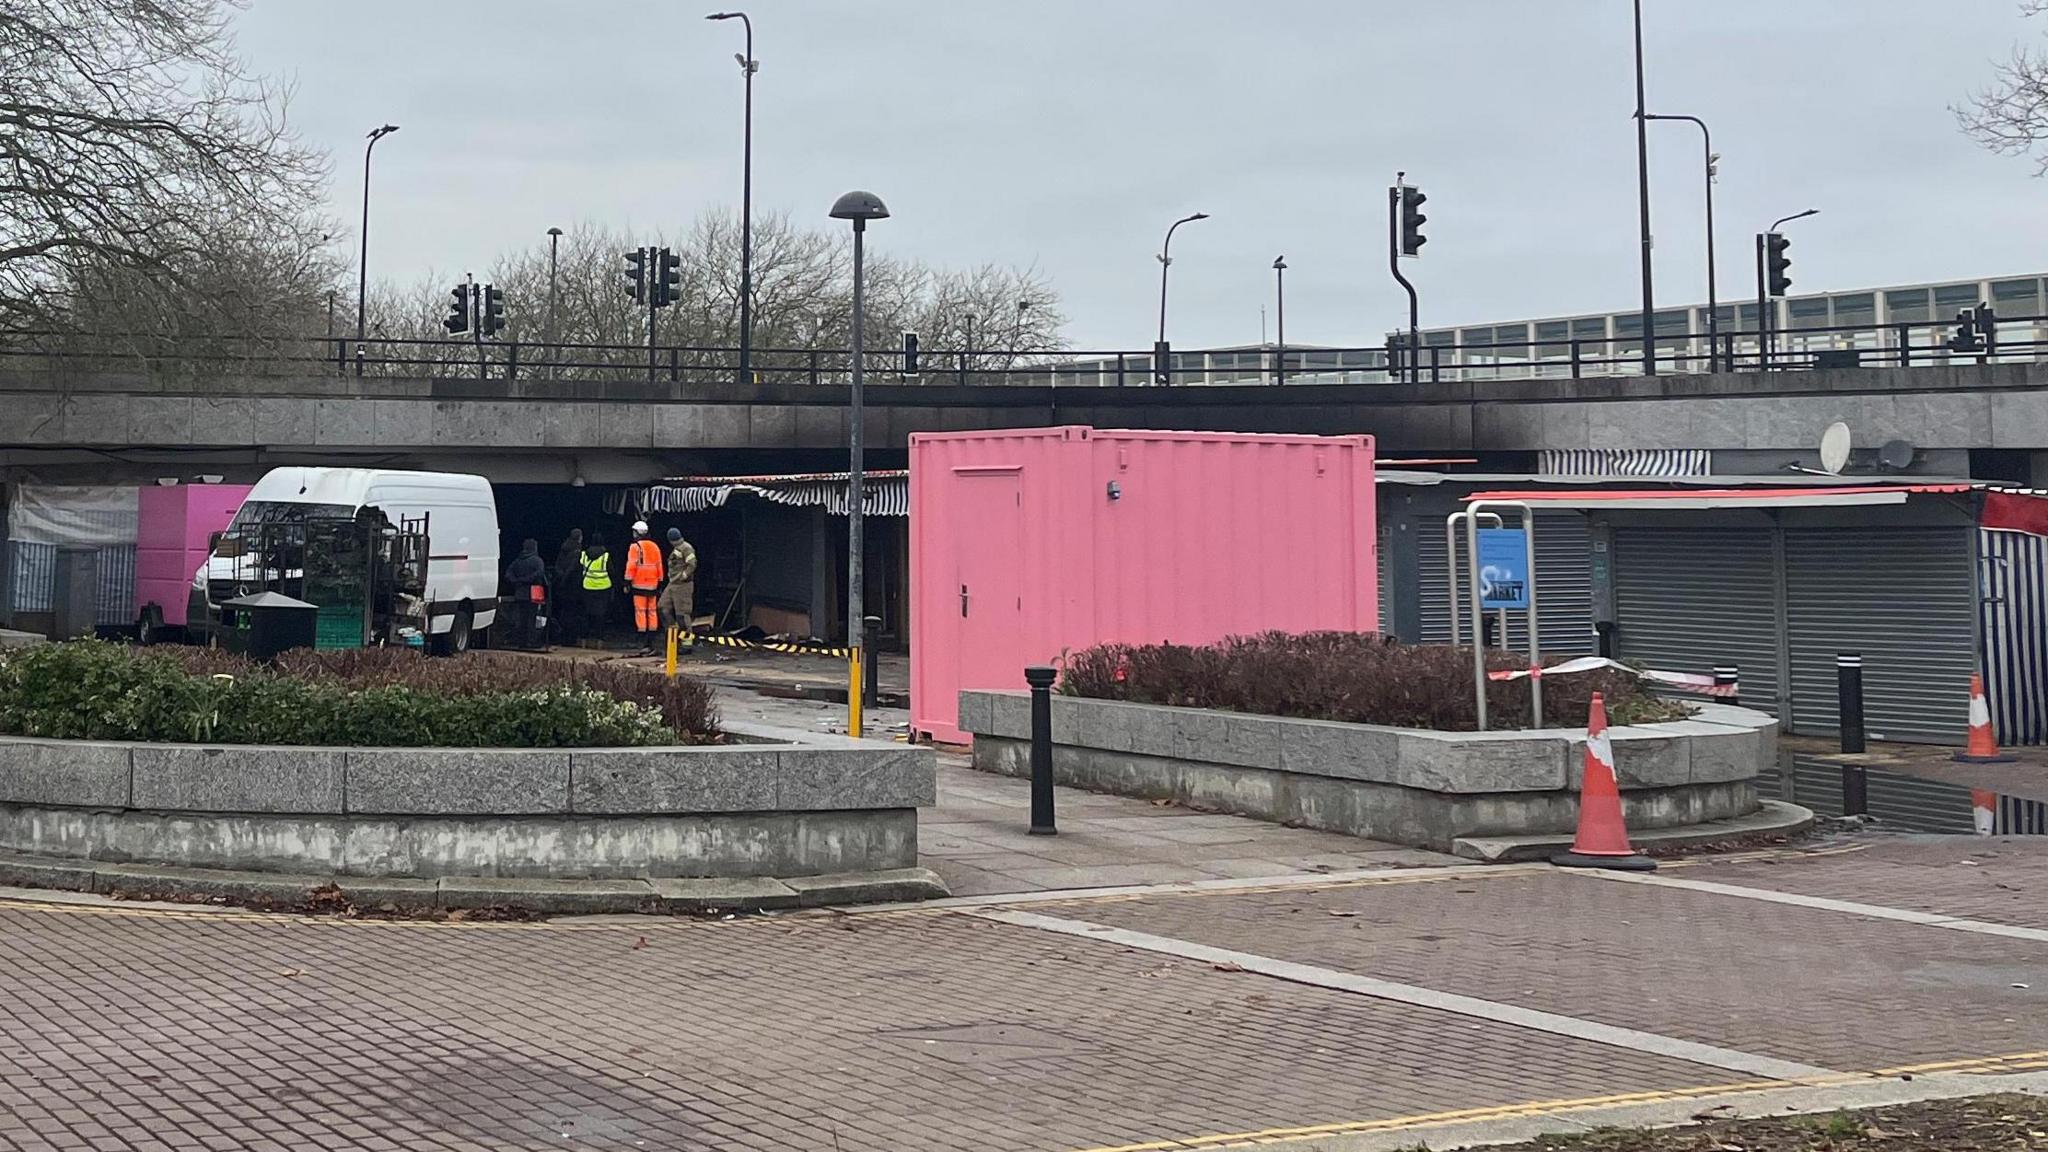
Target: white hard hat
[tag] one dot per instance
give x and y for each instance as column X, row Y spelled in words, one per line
column 639, row 525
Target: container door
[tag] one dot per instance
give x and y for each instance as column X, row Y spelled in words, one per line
column 1686, row 599
column 1904, row 599
column 988, row 541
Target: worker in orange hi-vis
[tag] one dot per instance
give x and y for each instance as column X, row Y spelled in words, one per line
column 643, row 578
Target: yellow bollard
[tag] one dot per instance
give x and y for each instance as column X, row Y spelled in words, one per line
column 671, row 669
column 853, row 695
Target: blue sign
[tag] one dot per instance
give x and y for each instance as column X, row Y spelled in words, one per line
column 1503, row 568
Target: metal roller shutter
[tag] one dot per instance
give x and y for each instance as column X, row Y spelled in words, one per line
column 1385, row 538
column 1686, row 599
column 1904, row 598
column 1564, row 586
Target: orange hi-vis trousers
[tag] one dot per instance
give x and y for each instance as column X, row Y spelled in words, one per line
column 646, row 616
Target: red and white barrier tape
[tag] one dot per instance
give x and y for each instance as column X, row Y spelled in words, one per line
column 1685, row 681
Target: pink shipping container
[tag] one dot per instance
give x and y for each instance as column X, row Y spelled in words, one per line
column 1026, row 544
column 174, row 525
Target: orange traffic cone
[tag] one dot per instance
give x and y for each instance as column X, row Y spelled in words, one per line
column 1984, row 811
column 1602, row 841
column 1983, row 745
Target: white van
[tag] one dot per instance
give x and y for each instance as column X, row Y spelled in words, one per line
column 462, row 538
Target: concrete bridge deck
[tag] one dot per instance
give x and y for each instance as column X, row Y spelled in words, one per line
column 2002, row 406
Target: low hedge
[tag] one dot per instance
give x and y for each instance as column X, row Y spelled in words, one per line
column 1353, row 677
column 385, row 697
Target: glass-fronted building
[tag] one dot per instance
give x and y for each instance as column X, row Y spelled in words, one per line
column 1863, row 325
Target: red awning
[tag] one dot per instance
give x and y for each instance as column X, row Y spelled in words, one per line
column 1811, row 496
column 2015, row 512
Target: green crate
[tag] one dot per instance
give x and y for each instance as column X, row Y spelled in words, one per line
column 338, row 628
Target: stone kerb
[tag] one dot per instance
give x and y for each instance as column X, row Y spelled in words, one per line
column 1420, row 787
column 778, row 803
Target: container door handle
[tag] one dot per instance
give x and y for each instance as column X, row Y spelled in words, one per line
column 963, row 600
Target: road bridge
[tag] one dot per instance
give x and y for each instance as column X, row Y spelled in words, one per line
column 71, row 424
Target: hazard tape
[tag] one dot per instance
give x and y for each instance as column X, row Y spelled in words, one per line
column 766, row 646
column 1687, row 681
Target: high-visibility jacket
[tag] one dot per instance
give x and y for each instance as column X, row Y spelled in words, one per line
column 597, row 572
column 643, row 566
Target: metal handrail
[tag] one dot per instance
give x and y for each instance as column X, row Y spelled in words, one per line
column 1793, row 348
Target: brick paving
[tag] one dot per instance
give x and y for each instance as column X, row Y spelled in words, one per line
column 125, row 1029
column 2003, row 880
column 1841, row 991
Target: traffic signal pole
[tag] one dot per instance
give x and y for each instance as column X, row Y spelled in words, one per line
column 1414, row 351
column 476, row 325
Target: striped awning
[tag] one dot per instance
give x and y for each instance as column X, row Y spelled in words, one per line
column 1645, row 462
column 885, row 493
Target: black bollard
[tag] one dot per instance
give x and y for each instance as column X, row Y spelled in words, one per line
column 1041, row 678
column 1728, row 676
column 1855, row 790
column 1849, row 690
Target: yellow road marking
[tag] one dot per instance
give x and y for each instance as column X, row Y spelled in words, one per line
column 1498, row 1112
column 2014, row 1062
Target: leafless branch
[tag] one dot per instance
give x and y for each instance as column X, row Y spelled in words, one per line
column 2010, row 115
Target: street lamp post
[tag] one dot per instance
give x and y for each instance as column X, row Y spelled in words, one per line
column 554, row 314
column 748, row 66
column 1160, row 371
column 1280, row 313
column 1764, row 319
column 363, row 261
column 1643, row 195
column 1713, row 302
column 859, row 207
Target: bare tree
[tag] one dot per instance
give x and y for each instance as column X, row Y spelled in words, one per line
column 803, row 300
column 144, row 171
column 2011, row 114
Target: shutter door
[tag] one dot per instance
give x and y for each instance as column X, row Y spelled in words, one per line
column 1564, row 586
column 1385, row 536
column 1903, row 597
column 1686, row 599
column 1432, row 605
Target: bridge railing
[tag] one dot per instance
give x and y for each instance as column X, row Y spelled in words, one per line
column 542, row 368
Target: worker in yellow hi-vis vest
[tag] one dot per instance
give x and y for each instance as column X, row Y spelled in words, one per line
column 597, row 588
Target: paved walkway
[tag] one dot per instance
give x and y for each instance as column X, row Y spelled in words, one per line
column 978, row 836
column 1329, row 1010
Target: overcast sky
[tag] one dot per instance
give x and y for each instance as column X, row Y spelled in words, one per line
column 1069, row 133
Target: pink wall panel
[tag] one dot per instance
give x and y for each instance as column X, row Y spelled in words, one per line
column 173, row 526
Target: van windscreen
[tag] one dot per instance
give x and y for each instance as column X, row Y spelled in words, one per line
column 254, row 513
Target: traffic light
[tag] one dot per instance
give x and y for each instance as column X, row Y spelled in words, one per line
column 668, row 281
column 1412, row 220
column 636, row 274
column 457, row 319
column 910, row 353
column 493, row 317
column 1976, row 330
column 1776, row 263
column 1396, row 348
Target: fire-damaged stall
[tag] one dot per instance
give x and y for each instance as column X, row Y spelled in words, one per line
column 771, row 549
column 1927, row 582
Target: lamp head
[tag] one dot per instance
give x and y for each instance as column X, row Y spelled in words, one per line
column 859, row 206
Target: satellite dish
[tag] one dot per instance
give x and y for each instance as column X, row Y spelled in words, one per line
column 1834, row 448
column 1896, row 455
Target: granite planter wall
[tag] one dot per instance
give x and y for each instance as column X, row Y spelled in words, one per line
column 1404, row 785
column 787, row 804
